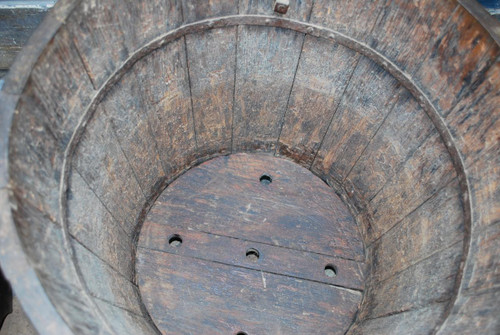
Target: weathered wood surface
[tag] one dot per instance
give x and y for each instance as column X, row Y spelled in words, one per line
column 16, row 26
column 167, row 105
column 124, row 109
column 186, row 295
column 108, row 237
column 196, row 10
column 53, row 265
column 323, row 72
column 221, row 210
column 355, row 18
column 402, row 323
column 426, row 172
column 104, row 170
column 369, row 97
column 232, row 251
column 414, row 287
column 432, row 227
column 297, row 210
column 265, row 67
column 446, row 53
column 212, row 79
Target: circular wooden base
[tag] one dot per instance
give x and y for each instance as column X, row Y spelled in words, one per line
column 250, row 244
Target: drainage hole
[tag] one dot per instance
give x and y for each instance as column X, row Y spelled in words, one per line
column 330, row 271
column 265, row 179
column 241, row 333
column 252, row 255
column 175, row 240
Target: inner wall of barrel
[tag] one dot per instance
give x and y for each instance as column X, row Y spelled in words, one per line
column 220, row 91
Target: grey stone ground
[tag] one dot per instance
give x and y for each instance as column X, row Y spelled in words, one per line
column 17, row 323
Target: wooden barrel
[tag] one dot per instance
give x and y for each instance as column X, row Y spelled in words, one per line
column 394, row 104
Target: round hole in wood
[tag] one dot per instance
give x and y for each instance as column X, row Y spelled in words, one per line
column 330, row 271
column 175, row 240
column 253, row 255
column 265, row 179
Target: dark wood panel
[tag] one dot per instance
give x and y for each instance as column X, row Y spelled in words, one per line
column 485, row 188
column 483, row 272
column 297, row 210
column 425, row 173
column 196, row 10
column 212, row 87
column 63, row 88
column 186, row 295
column 420, row 321
column 232, row 251
column 124, row 110
column 107, row 237
column 43, row 241
column 368, row 99
column 458, row 61
column 322, row 75
column 94, row 26
column 266, row 63
column 16, row 26
column 123, row 321
column 35, row 156
column 437, row 224
column 473, row 312
column 101, row 163
column 104, row 282
column 395, row 142
column 415, row 287
column 475, row 120
column 355, row 18
column 168, row 104
column 421, row 21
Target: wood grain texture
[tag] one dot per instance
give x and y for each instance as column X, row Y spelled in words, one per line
column 420, row 321
column 101, row 163
column 54, row 268
column 104, row 282
column 368, row 99
column 35, row 156
column 437, row 224
column 413, row 287
column 411, row 19
column 485, row 188
column 212, row 87
column 425, row 173
column 232, row 251
column 224, row 197
column 125, row 322
column 109, row 238
column 457, row 62
column 168, row 105
column 16, row 26
column 197, row 10
column 123, row 108
column 474, row 312
column 63, row 88
column 484, row 272
column 393, row 144
column 322, row 75
column 355, row 18
column 266, row 64
column 241, row 299
column 474, row 121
